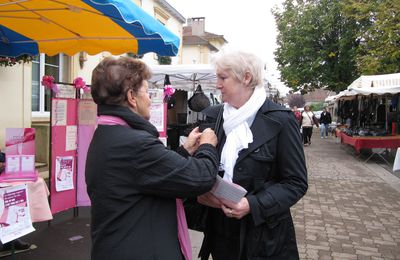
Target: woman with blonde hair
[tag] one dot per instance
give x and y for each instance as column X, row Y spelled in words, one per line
column 260, row 149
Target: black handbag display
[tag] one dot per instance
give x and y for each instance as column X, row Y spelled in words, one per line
column 199, row 100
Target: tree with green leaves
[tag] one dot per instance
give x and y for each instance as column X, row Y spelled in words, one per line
column 379, row 34
column 330, row 43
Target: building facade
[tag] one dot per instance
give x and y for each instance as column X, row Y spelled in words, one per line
column 24, row 102
column 197, row 44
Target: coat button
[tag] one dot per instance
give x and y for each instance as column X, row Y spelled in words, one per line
column 240, row 169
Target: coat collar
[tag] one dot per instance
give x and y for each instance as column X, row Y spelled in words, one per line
column 264, row 127
column 132, row 119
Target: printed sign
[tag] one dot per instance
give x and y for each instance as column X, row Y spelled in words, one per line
column 64, row 173
column 15, row 219
column 20, row 154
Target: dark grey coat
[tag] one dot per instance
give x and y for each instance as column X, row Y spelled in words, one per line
column 132, row 181
column 273, row 171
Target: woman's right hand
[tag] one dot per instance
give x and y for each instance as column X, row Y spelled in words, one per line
column 192, row 142
column 208, row 137
column 209, row 200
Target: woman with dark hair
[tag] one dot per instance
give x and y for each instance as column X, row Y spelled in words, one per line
column 324, row 121
column 132, row 179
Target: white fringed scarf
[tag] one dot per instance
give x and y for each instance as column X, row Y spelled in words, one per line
column 237, row 124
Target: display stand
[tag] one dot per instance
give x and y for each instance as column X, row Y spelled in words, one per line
column 73, row 122
column 87, row 122
column 63, row 155
column 20, row 155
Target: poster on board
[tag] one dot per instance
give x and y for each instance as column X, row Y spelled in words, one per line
column 157, row 109
column 59, row 112
column 64, row 173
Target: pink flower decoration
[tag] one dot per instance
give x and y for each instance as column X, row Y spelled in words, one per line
column 79, row 83
column 48, row 82
column 168, row 90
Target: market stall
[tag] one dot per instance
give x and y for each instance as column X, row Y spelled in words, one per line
column 369, row 142
column 370, row 110
column 195, row 89
column 195, row 86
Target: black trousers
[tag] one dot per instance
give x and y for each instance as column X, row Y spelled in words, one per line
column 223, row 248
column 307, row 133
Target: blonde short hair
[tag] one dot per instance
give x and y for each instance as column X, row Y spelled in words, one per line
column 240, row 62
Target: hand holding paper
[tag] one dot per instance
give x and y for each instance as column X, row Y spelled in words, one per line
column 227, row 196
column 208, row 199
column 238, row 210
column 228, row 191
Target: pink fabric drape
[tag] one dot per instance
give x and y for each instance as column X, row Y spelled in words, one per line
column 183, row 232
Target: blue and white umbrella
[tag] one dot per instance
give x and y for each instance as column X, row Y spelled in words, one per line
column 69, row 26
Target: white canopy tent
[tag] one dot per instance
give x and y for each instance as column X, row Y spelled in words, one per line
column 376, row 84
column 330, row 99
column 367, row 85
column 342, row 94
column 188, row 76
column 185, row 76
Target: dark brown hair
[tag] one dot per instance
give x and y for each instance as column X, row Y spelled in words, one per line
column 112, row 78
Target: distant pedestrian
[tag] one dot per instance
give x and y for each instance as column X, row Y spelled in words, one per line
column 297, row 114
column 308, row 121
column 324, row 121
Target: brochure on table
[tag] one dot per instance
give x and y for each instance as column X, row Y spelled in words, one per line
column 15, row 219
column 20, row 155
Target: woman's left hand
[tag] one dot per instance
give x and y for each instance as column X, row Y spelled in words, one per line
column 238, row 210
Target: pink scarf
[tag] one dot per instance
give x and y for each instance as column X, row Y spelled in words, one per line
column 183, row 233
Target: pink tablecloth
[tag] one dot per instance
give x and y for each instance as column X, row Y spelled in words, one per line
column 38, row 201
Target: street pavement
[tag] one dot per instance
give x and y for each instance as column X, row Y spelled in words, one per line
column 351, row 211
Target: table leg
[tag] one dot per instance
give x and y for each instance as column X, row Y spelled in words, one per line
column 373, row 153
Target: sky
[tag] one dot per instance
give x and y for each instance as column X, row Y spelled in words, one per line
column 247, row 25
